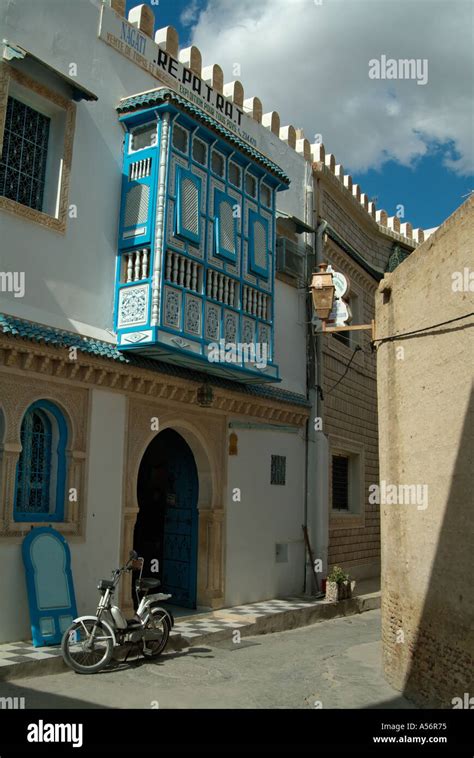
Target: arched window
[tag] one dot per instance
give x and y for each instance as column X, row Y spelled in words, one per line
column 41, row 468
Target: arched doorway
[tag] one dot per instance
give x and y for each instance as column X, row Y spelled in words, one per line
column 166, row 530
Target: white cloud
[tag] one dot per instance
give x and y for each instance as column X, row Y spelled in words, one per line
column 190, row 14
column 310, row 62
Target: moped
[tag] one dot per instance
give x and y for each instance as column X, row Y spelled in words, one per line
column 88, row 645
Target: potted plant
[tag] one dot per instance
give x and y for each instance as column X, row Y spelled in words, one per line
column 338, row 585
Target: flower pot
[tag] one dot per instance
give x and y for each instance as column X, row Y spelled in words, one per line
column 336, row 591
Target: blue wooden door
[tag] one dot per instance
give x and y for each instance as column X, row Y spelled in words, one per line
column 49, row 584
column 179, row 571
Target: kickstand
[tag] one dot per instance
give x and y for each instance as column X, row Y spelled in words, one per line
column 132, row 646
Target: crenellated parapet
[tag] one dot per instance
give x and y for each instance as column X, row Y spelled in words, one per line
column 326, row 163
column 168, row 39
column 143, row 17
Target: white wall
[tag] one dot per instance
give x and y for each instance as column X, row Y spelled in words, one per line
column 70, row 278
column 99, row 554
column 290, row 336
column 266, row 515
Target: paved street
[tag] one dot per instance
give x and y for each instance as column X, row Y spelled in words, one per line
column 335, row 663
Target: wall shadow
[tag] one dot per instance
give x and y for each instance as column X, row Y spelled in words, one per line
column 441, row 665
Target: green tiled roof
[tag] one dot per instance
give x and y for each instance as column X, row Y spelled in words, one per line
column 156, row 97
column 30, row 330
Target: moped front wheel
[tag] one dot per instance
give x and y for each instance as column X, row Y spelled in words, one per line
column 157, row 631
column 87, row 646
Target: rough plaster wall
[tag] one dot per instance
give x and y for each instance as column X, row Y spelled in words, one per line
column 426, row 437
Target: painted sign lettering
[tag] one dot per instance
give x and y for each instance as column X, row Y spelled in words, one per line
column 144, row 52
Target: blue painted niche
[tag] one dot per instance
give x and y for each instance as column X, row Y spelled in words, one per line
column 49, row 583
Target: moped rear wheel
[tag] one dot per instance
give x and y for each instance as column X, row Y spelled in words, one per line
column 85, row 654
column 158, row 628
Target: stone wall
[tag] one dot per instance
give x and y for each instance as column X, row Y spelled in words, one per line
column 426, row 438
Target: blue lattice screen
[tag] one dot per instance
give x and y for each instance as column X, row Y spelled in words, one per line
column 34, row 465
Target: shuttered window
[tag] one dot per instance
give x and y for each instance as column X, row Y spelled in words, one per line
column 188, row 204
column 258, row 245
column 225, row 222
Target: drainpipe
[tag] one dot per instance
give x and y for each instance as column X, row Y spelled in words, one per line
column 316, row 463
column 309, row 446
column 319, row 534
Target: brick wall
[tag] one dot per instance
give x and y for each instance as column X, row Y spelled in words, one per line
column 372, row 246
column 350, row 410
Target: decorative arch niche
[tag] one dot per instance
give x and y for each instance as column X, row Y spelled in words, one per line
column 205, row 434
column 18, row 393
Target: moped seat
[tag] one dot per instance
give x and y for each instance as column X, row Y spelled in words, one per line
column 132, row 623
column 148, row 583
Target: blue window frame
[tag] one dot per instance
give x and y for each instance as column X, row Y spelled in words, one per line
column 188, row 205
column 258, row 245
column 225, row 226
column 41, row 467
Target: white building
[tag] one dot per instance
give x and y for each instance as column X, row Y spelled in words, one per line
column 90, row 177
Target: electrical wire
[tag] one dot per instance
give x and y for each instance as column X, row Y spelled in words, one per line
column 356, row 349
column 394, row 337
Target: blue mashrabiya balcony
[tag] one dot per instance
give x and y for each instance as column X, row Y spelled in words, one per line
column 196, row 259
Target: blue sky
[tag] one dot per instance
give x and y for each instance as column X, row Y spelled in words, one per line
column 410, row 145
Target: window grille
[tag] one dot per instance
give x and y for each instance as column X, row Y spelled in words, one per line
column 260, row 245
column 199, row 151
column 180, row 138
column 266, row 196
column 258, row 258
column 340, row 482
column 226, row 227
column 251, row 185
column 278, row 469
column 143, row 136
column 24, row 155
column 34, row 465
column 217, row 163
column 136, row 206
column 235, row 174
column 190, row 206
